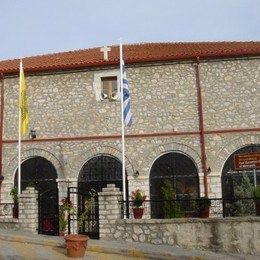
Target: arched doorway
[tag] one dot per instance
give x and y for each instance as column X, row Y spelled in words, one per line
column 95, row 174
column 40, row 173
column 239, row 177
column 180, row 171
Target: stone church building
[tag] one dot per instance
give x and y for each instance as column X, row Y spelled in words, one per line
column 196, row 115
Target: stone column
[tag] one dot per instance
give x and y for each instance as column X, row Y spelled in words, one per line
column 28, row 210
column 63, row 188
column 109, row 210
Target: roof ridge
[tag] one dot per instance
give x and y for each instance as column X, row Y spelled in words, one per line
column 130, row 44
column 133, row 53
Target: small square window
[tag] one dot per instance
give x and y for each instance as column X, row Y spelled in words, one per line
column 106, row 85
column 109, row 88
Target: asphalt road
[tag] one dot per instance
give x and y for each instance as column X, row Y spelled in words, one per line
column 25, row 251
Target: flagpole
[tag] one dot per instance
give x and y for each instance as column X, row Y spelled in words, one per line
column 19, row 134
column 122, row 123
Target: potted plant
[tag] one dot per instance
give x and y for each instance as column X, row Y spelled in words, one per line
column 65, row 209
column 76, row 244
column 203, row 206
column 85, row 214
column 138, row 198
column 14, row 194
column 256, row 195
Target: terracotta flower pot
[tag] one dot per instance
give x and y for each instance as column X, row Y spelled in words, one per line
column 138, row 213
column 76, row 245
column 204, row 213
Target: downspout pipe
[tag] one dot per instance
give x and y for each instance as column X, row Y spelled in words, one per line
column 1, row 129
column 201, row 129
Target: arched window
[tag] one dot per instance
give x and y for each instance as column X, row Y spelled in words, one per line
column 180, row 171
column 100, row 171
column 239, row 177
column 39, row 172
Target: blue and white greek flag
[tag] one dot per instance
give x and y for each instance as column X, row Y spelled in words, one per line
column 126, row 99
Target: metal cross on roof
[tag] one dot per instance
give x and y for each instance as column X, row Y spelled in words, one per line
column 105, row 51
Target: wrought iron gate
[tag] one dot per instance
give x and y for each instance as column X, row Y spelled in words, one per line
column 40, row 173
column 86, row 217
column 96, row 174
column 48, row 212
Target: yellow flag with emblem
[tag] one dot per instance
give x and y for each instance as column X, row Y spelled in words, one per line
column 24, row 121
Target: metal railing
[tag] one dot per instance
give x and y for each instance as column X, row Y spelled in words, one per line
column 189, row 208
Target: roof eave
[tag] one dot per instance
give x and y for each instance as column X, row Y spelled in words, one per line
column 102, row 64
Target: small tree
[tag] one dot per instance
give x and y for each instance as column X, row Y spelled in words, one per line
column 172, row 208
column 14, row 194
column 244, row 190
column 65, row 209
column 85, row 214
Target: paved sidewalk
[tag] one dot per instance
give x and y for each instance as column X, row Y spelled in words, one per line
column 141, row 250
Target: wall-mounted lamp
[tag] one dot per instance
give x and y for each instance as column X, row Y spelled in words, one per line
column 136, row 174
column 32, row 134
column 209, row 170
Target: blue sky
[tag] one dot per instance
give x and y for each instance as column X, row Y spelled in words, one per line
column 33, row 27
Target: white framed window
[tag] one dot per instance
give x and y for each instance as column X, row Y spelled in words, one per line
column 107, row 85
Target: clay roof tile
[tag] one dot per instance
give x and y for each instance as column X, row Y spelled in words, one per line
column 133, row 53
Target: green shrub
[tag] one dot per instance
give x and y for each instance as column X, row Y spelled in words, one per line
column 243, row 190
column 256, row 192
column 14, row 194
column 171, row 208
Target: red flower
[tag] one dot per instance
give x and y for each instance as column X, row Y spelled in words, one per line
column 137, row 197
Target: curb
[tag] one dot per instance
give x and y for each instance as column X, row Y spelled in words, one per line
column 131, row 250
column 23, row 239
column 137, row 253
column 56, row 242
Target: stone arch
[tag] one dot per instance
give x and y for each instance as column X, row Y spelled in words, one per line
column 27, row 154
column 98, row 150
column 232, row 146
column 181, row 173
column 170, row 147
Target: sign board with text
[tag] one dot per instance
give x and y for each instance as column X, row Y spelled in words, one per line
column 245, row 161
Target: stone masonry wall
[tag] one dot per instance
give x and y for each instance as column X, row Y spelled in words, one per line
column 28, row 210
column 67, row 102
column 231, row 92
column 109, row 210
column 164, row 99
column 233, row 235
